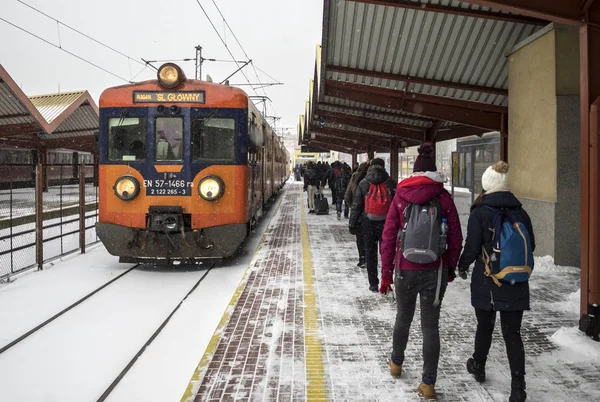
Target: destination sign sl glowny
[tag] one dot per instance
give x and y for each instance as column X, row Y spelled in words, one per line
column 170, row 97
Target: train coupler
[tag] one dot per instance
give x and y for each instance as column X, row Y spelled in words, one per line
column 200, row 240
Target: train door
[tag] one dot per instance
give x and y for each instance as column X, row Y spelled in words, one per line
column 252, row 165
column 264, row 165
column 255, row 151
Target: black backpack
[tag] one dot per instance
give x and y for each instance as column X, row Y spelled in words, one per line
column 420, row 235
column 341, row 183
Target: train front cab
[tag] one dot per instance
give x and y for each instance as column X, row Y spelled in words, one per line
column 173, row 176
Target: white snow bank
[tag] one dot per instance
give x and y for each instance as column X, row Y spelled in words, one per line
column 546, row 264
column 571, row 305
column 575, row 346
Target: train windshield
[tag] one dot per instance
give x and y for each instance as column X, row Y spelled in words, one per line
column 127, row 138
column 213, row 139
column 169, row 138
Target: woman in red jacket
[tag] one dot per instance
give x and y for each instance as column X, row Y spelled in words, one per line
column 429, row 281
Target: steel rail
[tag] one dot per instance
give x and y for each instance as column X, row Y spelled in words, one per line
column 65, row 310
column 123, row 372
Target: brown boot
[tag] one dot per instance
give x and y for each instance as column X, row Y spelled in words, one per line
column 427, row 391
column 395, row 369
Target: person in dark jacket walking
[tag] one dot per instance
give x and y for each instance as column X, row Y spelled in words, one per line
column 487, row 297
column 311, row 184
column 371, row 226
column 357, row 176
column 413, row 279
column 336, row 169
column 341, row 185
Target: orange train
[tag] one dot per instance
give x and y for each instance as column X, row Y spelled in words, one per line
column 185, row 169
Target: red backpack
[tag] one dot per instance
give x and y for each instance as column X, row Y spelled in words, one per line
column 377, row 201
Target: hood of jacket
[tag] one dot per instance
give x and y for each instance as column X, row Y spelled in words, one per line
column 421, row 187
column 377, row 174
column 500, row 199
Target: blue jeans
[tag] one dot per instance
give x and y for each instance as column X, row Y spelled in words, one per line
column 409, row 285
column 338, row 207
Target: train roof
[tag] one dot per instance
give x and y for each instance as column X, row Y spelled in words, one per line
column 215, row 95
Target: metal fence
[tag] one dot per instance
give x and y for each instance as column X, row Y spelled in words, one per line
column 46, row 211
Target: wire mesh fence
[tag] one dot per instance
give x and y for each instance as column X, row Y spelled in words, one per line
column 46, row 211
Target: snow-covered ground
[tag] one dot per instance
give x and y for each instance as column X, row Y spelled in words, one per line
column 77, row 356
column 22, row 200
column 25, row 234
column 19, row 205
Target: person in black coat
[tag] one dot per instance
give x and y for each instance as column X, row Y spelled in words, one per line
column 372, row 229
column 486, row 296
column 311, row 184
column 357, row 176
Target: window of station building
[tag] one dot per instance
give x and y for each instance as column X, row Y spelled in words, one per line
column 127, row 138
column 169, row 139
column 86, row 158
column 213, row 139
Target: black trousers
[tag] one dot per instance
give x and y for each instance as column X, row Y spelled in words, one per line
column 372, row 232
column 360, row 243
column 411, row 285
column 511, row 331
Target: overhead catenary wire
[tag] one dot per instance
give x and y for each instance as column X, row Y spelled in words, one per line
column 66, row 51
column 141, row 71
column 245, row 54
column 80, row 33
column 266, row 74
column 190, row 59
column 223, row 41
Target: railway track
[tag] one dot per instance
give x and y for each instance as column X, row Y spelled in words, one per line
column 123, row 372
column 91, row 294
column 63, row 311
column 142, row 288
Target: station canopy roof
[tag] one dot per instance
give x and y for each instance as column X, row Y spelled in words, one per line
column 407, row 71
column 66, row 120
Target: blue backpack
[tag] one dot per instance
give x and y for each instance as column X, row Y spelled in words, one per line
column 511, row 260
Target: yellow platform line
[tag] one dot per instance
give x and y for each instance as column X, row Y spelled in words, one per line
column 316, row 384
column 196, row 380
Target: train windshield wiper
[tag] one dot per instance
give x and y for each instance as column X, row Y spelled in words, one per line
column 124, row 114
column 207, row 119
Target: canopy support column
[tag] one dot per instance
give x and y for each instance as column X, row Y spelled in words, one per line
column 590, row 180
column 394, row 160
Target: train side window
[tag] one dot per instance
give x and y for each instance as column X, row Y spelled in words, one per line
column 213, row 139
column 127, row 138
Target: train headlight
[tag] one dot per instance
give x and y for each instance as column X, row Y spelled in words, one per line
column 170, row 75
column 127, row 187
column 211, row 188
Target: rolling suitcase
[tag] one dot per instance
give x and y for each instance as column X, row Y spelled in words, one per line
column 321, row 204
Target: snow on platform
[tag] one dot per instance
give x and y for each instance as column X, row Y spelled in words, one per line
column 301, row 325
column 262, row 351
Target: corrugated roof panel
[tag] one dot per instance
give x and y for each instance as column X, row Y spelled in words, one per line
column 83, row 119
column 357, row 130
column 51, row 106
column 405, row 118
column 11, row 106
column 426, row 44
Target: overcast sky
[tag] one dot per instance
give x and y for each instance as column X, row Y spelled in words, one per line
column 280, row 36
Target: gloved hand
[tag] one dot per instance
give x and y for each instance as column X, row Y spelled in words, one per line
column 386, row 285
column 451, row 274
column 463, row 272
column 353, row 229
